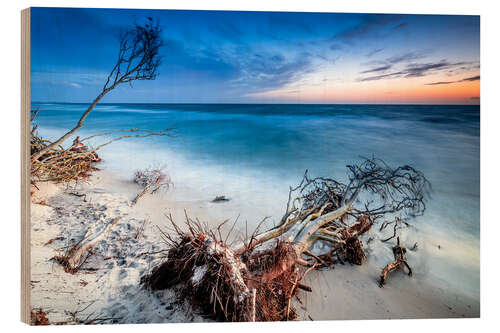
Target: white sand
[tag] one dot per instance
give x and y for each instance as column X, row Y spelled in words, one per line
column 112, row 290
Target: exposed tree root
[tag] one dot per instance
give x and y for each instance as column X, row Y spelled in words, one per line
column 61, row 164
column 257, row 278
column 400, row 260
column 223, row 284
column 39, row 318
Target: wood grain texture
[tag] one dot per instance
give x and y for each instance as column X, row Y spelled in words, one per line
column 25, row 176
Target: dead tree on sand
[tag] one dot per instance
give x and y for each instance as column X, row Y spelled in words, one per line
column 138, row 59
column 399, row 252
column 256, row 279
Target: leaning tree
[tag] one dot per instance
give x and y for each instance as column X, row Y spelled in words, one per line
column 138, row 59
column 256, row 279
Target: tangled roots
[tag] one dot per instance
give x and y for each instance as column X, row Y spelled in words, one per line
column 208, row 274
column 353, row 249
column 223, row 286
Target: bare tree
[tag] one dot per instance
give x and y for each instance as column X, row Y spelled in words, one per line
column 138, row 59
column 270, row 266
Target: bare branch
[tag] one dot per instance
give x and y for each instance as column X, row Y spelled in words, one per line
column 138, row 59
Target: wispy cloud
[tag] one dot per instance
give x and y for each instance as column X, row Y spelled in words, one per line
column 410, row 56
column 373, row 52
column 335, row 47
column 371, row 24
column 274, row 71
column 467, row 79
column 388, row 63
column 380, row 77
column 439, row 83
column 417, row 70
column 400, row 26
column 472, row 78
column 69, row 78
column 377, row 69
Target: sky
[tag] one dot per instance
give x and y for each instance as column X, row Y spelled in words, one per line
column 261, row 57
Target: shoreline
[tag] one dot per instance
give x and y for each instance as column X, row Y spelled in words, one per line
column 113, row 289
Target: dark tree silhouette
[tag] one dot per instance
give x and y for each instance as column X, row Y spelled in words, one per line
column 138, row 59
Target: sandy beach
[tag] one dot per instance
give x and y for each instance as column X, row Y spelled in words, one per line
column 108, row 289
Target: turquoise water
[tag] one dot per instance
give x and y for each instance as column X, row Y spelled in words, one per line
column 253, row 153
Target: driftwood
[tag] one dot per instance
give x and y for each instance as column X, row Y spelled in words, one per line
column 256, row 278
column 400, row 260
column 152, row 180
column 77, row 255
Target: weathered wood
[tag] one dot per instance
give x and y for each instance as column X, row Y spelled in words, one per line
column 399, row 252
column 72, row 260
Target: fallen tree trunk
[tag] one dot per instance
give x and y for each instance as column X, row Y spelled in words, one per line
column 222, row 279
column 75, row 257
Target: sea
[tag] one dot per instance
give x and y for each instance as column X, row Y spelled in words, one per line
column 253, row 153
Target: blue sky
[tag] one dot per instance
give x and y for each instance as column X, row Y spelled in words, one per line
column 260, row 57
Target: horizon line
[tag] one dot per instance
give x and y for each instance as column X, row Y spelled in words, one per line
column 228, row 103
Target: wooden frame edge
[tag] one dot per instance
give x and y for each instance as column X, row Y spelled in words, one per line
column 25, row 174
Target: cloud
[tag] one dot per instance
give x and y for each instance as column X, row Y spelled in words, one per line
column 473, row 78
column 405, row 57
column 370, row 24
column 388, row 63
column 467, row 79
column 418, row 70
column 335, row 47
column 377, row 69
column 69, row 78
column 373, row 52
column 274, row 71
column 227, row 31
column 400, row 26
column 439, row 83
column 380, row 77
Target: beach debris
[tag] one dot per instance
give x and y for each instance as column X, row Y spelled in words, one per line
column 256, row 278
column 79, row 195
column 220, row 198
column 50, row 241
column 76, row 256
column 399, row 252
column 414, row 247
column 152, row 180
column 140, row 230
column 76, row 317
column 62, row 164
column 39, row 318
